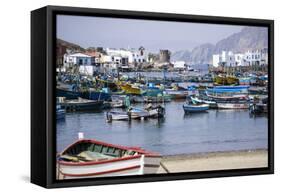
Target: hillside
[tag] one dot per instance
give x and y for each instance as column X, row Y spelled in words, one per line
column 250, row 38
column 69, row 45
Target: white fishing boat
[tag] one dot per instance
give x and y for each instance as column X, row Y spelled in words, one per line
column 91, row 158
column 229, row 105
column 155, row 111
column 136, row 113
column 196, row 100
column 117, row 116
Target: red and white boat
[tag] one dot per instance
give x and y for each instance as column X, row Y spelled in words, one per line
column 90, row 158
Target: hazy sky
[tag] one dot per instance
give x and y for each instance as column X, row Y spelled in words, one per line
column 153, row 35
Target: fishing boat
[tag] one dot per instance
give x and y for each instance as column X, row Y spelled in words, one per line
column 195, row 108
column 117, row 104
column 130, row 89
column 233, row 105
column 67, row 93
column 176, row 94
column 92, row 158
column 197, row 100
column 233, row 97
column 155, row 111
column 151, row 99
column 60, row 113
column 117, row 116
column 226, row 80
column 245, row 81
column 137, row 113
column 259, row 107
column 228, row 90
column 81, row 104
column 93, row 94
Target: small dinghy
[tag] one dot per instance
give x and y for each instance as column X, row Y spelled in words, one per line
column 137, row 113
column 155, row 111
column 117, row 116
column 91, row 158
column 195, row 108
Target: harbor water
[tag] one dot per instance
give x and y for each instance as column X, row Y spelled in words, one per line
column 177, row 133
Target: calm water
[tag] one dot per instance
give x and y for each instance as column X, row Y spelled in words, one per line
column 217, row 130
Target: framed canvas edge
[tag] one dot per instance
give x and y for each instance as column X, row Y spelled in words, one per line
column 51, row 182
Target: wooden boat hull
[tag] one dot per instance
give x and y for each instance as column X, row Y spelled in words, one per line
column 141, row 162
column 127, row 166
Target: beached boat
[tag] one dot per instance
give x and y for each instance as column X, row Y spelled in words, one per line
column 91, row 158
column 195, row 108
column 60, row 113
column 117, row 116
column 81, row 104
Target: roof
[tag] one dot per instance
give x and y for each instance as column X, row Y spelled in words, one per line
column 79, row 55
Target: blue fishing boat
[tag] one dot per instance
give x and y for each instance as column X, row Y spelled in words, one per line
column 228, row 89
column 68, row 94
column 81, row 104
column 195, row 108
column 98, row 95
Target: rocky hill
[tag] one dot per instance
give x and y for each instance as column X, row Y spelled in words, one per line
column 68, row 45
column 250, row 38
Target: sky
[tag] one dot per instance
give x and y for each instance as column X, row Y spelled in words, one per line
column 132, row 33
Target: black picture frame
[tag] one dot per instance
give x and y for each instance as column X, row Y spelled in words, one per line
column 43, row 122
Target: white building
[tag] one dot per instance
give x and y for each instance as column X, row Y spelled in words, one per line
column 179, row 65
column 258, row 57
column 133, row 55
column 77, row 59
column 227, row 59
column 249, row 58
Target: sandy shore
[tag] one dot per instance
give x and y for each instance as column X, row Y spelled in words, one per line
column 214, row 161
